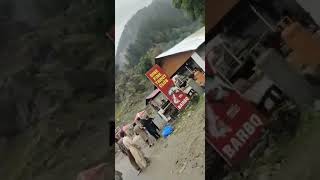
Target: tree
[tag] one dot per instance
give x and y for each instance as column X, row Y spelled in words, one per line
column 147, row 61
column 194, row 8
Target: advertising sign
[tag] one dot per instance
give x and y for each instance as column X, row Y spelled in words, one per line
column 165, row 84
column 233, row 125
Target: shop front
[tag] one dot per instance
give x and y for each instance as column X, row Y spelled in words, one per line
column 248, row 50
column 184, row 68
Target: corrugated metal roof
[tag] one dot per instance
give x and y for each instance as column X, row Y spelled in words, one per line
column 190, row 43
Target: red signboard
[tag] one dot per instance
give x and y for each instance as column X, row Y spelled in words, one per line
column 165, row 84
column 233, row 125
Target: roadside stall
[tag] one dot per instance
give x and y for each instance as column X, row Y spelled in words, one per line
column 248, row 75
column 171, row 95
column 185, row 61
column 183, row 71
column 161, row 105
column 235, row 51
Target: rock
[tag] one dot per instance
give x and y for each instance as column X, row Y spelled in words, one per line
column 183, row 168
column 195, row 165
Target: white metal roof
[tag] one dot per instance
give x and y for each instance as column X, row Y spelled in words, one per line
column 190, row 43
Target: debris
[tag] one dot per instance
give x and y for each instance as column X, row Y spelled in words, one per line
column 183, row 167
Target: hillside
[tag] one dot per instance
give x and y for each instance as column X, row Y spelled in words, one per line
column 159, row 11
column 55, row 88
column 151, row 31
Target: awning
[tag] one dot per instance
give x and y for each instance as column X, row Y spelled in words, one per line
column 152, row 95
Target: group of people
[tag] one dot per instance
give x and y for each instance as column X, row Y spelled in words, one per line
column 129, row 142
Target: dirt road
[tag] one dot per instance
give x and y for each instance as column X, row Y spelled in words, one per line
column 180, row 157
column 290, row 158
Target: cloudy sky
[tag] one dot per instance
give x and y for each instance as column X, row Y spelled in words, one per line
column 125, row 9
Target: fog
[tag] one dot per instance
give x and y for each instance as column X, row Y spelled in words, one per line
column 125, row 9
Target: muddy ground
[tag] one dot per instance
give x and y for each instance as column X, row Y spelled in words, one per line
column 180, row 156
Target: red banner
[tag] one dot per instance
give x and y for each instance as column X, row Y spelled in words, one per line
column 233, row 125
column 165, row 84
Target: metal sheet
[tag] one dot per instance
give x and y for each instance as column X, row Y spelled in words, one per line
column 190, row 43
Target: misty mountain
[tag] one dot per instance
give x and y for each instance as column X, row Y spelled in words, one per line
column 159, row 14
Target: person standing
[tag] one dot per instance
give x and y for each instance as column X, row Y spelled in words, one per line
column 141, row 161
column 129, row 130
column 199, row 77
column 142, row 133
column 155, row 127
column 194, row 85
column 127, row 152
column 150, row 127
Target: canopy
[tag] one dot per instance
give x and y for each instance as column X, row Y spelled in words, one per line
column 152, row 95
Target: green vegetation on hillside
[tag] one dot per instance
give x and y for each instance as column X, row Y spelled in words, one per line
column 157, row 32
column 194, row 8
column 56, row 93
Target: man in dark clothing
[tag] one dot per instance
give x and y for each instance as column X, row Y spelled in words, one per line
column 151, row 127
column 126, row 152
column 153, row 124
